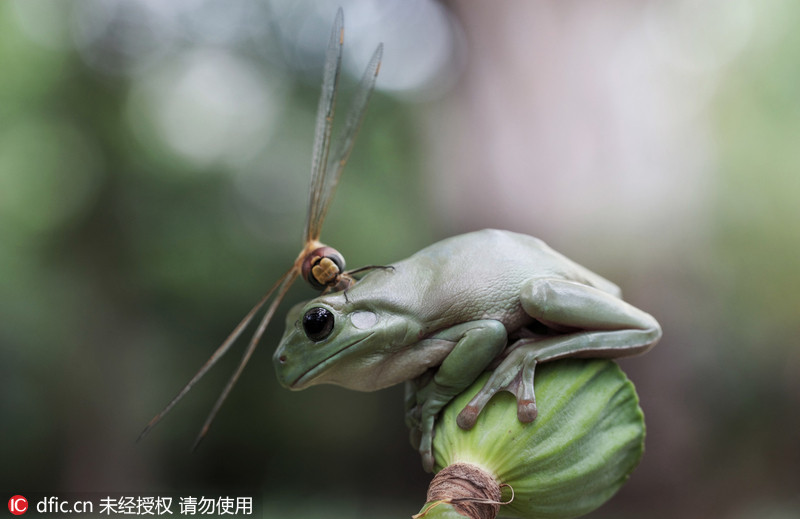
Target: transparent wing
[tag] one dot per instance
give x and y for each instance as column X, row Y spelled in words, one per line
column 321, row 192
column 324, row 125
column 281, row 286
column 344, row 144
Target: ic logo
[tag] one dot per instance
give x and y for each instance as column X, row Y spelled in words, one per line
column 18, row 505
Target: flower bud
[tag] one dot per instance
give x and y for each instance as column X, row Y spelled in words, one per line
column 587, row 439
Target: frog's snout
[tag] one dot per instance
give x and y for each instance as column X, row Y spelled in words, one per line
column 282, row 365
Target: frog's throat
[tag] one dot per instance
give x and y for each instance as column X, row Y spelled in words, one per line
column 306, row 379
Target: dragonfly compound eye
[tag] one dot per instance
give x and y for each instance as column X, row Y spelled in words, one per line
column 323, row 267
column 318, row 323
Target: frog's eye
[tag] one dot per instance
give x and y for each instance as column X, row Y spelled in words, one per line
column 318, row 323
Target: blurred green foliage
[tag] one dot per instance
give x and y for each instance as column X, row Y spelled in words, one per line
column 124, row 263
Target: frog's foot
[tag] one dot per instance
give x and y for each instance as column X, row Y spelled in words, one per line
column 421, row 438
column 424, row 400
column 515, row 375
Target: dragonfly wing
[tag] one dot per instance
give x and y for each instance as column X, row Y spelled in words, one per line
column 344, row 143
column 324, row 125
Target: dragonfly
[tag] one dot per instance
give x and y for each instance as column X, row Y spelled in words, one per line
column 323, row 267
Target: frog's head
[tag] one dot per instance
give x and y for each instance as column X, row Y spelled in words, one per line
column 328, row 340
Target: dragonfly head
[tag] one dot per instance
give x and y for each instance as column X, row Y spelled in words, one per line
column 323, row 267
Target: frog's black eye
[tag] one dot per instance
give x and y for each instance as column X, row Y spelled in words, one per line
column 318, row 323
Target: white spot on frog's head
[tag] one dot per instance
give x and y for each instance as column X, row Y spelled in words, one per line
column 363, row 319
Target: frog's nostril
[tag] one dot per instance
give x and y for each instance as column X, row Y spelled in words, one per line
column 282, row 359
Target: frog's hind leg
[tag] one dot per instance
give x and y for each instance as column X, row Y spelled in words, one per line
column 598, row 324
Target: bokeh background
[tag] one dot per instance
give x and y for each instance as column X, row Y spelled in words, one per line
column 154, row 162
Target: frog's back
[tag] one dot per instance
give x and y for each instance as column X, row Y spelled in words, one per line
column 474, row 276
column 497, row 256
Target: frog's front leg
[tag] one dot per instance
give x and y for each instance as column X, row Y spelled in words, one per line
column 600, row 324
column 477, row 343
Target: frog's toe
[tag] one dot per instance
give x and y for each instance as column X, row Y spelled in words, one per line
column 426, row 442
column 426, row 451
column 523, row 390
column 427, row 461
column 468, row 416
column 526, row 411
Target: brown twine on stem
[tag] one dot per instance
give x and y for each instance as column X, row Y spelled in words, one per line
column 471, row 491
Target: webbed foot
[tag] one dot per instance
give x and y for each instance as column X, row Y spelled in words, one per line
column 515, row 375
column 421, row 436
column 422, row 408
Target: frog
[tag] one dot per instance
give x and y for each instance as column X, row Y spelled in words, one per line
column 485, row 300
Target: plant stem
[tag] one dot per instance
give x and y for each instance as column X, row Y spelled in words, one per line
column 462, row 490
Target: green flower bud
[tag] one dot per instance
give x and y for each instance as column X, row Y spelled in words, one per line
column 585, row 442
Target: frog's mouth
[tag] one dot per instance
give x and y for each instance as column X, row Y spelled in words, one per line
column 310, row 376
